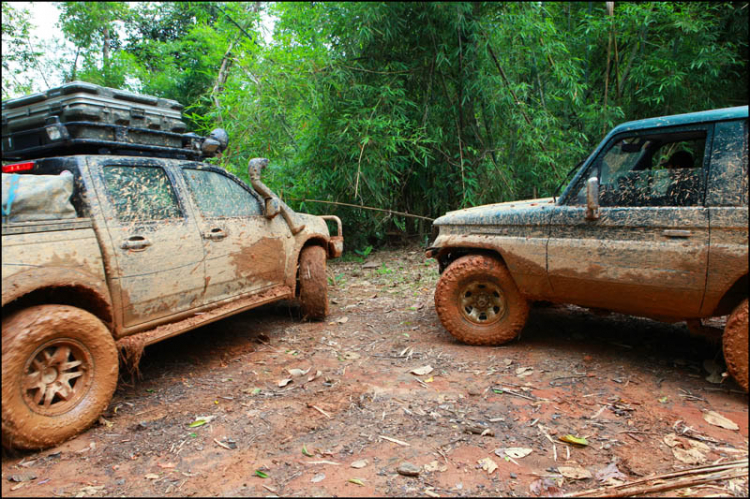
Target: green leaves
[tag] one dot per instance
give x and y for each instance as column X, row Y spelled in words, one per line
column 403, row 101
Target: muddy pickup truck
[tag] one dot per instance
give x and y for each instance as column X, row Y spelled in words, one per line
column 147, row 248
column 654, row 224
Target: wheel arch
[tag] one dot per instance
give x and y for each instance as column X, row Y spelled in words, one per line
column 732, row 297
column 446, row 256
column 311, row 241
column 58, row 286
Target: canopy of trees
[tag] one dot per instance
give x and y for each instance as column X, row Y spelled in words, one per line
column 413, row 107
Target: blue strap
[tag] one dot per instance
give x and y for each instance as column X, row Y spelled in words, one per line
column 11, row 194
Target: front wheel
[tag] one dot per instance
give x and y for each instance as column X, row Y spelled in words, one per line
column 734, row 343
column 60, row 369
column 479, row 303
column 313, row 283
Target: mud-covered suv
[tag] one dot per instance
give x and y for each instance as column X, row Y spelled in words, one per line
column 654, row 224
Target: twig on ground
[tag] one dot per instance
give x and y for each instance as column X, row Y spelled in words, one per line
column 324, row 413
column 222, row 445
column 399, row 442
column 516, row 394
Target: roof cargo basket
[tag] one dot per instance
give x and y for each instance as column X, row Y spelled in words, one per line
column 80, row 117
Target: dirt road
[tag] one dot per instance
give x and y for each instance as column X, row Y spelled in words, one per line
column 264, row 405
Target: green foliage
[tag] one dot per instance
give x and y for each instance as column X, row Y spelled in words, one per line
column 363, row 254
column 18, row 52
column 92, row 28
column 419, row 108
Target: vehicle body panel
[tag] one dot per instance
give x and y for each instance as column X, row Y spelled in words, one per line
column 662, row 260
column 166, row 283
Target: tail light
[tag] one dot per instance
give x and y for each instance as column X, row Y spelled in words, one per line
column 18, row 167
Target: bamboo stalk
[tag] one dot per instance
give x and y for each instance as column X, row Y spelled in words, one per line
column 722, row 472
column 679, row 484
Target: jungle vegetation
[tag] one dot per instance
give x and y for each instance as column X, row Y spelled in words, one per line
column 419, row 108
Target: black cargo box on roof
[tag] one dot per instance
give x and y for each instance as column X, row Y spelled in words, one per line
column 81, row 117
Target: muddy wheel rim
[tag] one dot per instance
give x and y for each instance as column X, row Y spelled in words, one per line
column 57, row 376
column 482, row 302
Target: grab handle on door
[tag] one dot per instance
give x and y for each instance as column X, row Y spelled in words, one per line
column 135, row 243
column 214, row 234
column 676, row 233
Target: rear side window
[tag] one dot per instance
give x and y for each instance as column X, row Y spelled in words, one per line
column 218, row 196
column 141, row 193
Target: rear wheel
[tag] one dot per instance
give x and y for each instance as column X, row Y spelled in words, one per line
column 59, row 371
column 734, row 342
column 479, row 303
column 313, row 283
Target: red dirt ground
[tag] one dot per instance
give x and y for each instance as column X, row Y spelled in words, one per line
column 621, row 382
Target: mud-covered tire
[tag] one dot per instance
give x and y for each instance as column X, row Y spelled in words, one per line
column 313, row 283
column 735, row 344
column 59, row 371
column 479, row 303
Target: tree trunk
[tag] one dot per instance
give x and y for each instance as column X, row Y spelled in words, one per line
column 221, row 79
column 105, row 48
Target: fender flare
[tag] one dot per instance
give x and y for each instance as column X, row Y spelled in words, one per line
column 36, row 279
column 314, row 239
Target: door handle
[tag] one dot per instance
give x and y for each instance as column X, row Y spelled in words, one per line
column 676, row 233
column 215, row 234
column 135, row 243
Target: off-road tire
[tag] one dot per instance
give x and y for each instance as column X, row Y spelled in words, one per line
column 59, row 371
column 505, row 312
column 313, row 283
column 734, row 343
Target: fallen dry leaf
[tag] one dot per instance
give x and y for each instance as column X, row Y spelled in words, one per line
column 359, row 464
column 298, row 372
column 435, row 466
column 574, row 440
column 421, row 371
column 90, row 490
column 318, row 478
column 285, row 382
column 151, row 476
column 717, row 419
column 201, row 420
column 687, row 451
column 544, row 486
column 611, row 475
column 689, row 456
column 714, row 371
column 343, row 320
column 488, row 465
column 574, row 472
column 517, row 452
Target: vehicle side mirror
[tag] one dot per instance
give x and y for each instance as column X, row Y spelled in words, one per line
column 272, row 208
column 592, row 199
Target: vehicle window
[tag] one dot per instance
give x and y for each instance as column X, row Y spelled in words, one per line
column 140, row 193
column 650, row 171
column 219, row 196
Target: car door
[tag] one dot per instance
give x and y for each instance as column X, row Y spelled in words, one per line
column 245, row 252
column 157, row 245
column 647, row 252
